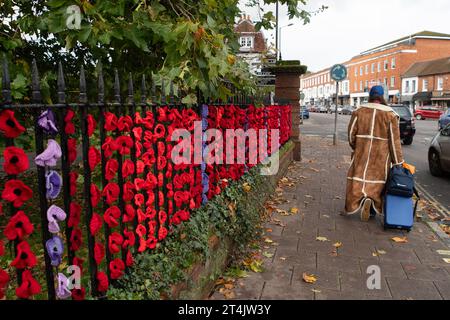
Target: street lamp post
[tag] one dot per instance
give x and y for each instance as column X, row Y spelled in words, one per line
column 289, row 25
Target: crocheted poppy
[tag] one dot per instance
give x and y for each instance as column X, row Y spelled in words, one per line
column 129, row 260
column 74, row 215
column 151, row 242
column 2, row 248
column 91, row 125
column 112, row 216
column 79, row 294
column 111, row 192
column 149, row 158
column 130, row 213
column 73, row 177
column 111, row 168
column 16, row 161
column 124, row 145
column 160, row 132
column 4, row 279
column 110, row 121
column 16, row 192
column 161, row 163
column 95, row 195
column 102, row 281
column 152, row 181
column 139, row 199
column 94, row 157
column 138, row 147
column 29, row 286
column 117, row 268
column 18, row 227
column 9, row 125
column 62, row 289
column 129, row 239
column 68, row 120
column 79, row 263
column 53, row 183
column 50, row 156
column 109, row 147
column 115, row 242
column 125, row 123
column 137, row 133
column 127, row 168
column 162, row 217
column 25, row 257
column 96, row 224
column 55, row 215
column 72, row 150
column 47, row 121
column 162, row 233
column 76, row 240
column 55, row 250
column 128, row 191
column 99, row 253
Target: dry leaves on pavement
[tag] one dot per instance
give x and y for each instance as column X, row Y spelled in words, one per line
column 309, row 278
column 322, row 239
column 400, row 240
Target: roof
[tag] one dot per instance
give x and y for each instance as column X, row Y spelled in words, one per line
column 427, row 68
column 246, row 27
column 422, row 34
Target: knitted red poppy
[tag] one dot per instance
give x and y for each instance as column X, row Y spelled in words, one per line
column 162, row 233
column 68, row 119
column 91, row 125
column 9, row 125
column 18, row 227
column 4, row 279
column 109, row 147
column 72, row 150
column 73, row 177
column 74, row 215
column 16, row 161
column 94, row 157
column 115, row 242
column 117, row 268
column 96, row 224
column 110, row 121
column 95, row 195
column 160, row 132
column 129, row 239
column 111, row 168
column 2, row 248
column 25, row 257
column 16, row 192
column 127, row 168
column 111, row 192
column 79, row 294
column 29, row 286
column 76, row 240
column 129, row 261
column 139, row 200
column 124, row 145
column 103, row 283
column 112, row 216
column 151, row 242
column 99, row 253
column 128, row 191
column 125, row 123
column 130, row 213
column 79, row 263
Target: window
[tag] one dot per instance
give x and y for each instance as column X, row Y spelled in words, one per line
column 373, row 67
column 393, row 63
column 367, row 69
column 425, row 85
column 367, row 84
column 386, row 65
column 360, row 86
column 246, row 42
column 413, row 86
column 407, row 87
column 386, row 82
column 379, row 66
column 356, row 71
column 345, row 87
column 361, row 71
column 356, row 86
column 392, row 82
column 440, row 84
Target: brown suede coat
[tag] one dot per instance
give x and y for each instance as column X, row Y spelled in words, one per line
column 374, row 136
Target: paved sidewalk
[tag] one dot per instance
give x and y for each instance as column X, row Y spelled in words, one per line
column 316, row 186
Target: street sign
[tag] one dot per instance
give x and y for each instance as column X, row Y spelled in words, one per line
column 339, row 72
column 302, row 96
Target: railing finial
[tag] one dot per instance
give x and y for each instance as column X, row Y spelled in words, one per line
column 130, row 89
column 143, row 90
column 83, row 94
column 35, row 83
column 101, row 84
column 61, row 84
column 116, row 86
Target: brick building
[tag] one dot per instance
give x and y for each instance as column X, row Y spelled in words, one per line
column 427, row 83
column 384, row 64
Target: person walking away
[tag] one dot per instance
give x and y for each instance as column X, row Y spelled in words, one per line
column 374, row 136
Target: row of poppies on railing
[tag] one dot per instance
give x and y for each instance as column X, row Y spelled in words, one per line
column 107, row 186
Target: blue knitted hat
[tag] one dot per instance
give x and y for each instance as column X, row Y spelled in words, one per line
column 377, row 91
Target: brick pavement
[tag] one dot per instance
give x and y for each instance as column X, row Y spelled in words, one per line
column 412, row 270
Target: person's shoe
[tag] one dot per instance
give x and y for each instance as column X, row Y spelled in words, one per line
column 365, row 211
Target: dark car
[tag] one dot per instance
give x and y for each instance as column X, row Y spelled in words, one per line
column 439, row 153
column 444, row 120
column 407, row 124
column 347, row 110
column 304, row 113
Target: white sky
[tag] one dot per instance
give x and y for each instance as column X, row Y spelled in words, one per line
column 349, row 27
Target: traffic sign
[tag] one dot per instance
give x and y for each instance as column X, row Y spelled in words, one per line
column 339, row 72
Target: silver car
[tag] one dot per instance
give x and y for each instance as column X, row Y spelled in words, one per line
column 439, row 153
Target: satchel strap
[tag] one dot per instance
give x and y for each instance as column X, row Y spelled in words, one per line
column 417, row 201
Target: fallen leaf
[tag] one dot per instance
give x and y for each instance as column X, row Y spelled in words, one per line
column 267, row 240
column 229, row 295
column 444, row 252
column 268, row 255
column 337, row 245
column 400, row 240
column 326, row 216
column 220, row 282
column 315, row 170
column 256, row 266
column 283, row 259
column 229, row 286
column 446, row 260
column 294, row 210
column 322, row 239
column 269, row 230
column 316, row 291
column 309, row 196
column 246, row 187
column 309, row 278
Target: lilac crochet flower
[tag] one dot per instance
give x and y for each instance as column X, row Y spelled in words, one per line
column 62, row 291
column 50, row 156
column 54, row 215
column 55, row 250
column 47, row 121
column 53, row 184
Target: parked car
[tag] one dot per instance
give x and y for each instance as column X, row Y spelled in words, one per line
column 339, row 109
column 439, row 153
column 313, row 108
column 444, row 120
column 304, row 113
column 407, row 123
column 323, row 109
column 428, row 113
column 347, row 110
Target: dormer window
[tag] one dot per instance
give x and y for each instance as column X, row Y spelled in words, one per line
column 246, row 42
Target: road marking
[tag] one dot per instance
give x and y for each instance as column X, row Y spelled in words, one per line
column 439, row 206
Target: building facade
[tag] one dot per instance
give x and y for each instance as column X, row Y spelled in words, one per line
column 383, row 65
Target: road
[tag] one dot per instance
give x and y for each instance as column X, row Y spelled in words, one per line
column 435, row 189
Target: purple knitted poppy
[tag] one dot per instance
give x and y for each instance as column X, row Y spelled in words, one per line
column 55, row 250
column 50, row 156
column 53, row 184
column 62, row 291
column 54, row 215
column 47, row 121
